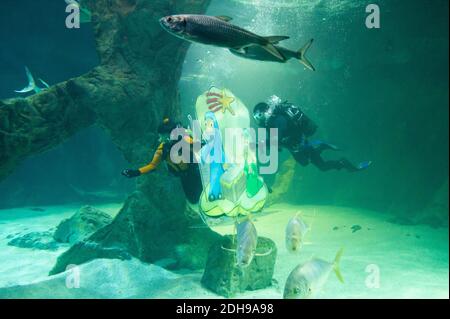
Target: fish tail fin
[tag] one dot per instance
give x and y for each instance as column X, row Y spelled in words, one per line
column 30, row 77
column 44, row 83
column 302, row 55
column 31, row 83
column 336, row 267
column 269, row 46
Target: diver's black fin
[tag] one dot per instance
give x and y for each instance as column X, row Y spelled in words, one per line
column 364, row 165
column 224, row 18
column 302, row 55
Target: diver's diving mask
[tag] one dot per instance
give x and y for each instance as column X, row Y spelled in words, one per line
column 260, row 117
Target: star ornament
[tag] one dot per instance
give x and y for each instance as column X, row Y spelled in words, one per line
column 226, row 103
column 217, row 102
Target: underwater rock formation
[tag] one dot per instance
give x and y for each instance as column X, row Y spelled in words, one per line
column 146, row 229
column 225, row 278
column 108, row 278
column 82, row 224
column 35, row 240
column 436, row 213
column 127, row 95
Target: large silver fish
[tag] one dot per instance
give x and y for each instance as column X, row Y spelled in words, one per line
column 307, row 279
column 296, row 230
column 217, row 31
column 247, row 239
column 255, row 52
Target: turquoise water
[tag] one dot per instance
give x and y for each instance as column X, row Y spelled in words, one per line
column 378, row 94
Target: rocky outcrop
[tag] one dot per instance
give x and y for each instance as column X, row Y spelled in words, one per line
column 84, row 223
column 111, row 279
column 147, row 230
column 127, row 95
column 35, row 240
column 437, row 211
column 38, row 123
column 225, row 278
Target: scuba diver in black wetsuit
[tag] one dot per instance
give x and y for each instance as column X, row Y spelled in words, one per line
column 294, row 129
column 188, row 172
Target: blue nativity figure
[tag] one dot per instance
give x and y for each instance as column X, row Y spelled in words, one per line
column 213, row 154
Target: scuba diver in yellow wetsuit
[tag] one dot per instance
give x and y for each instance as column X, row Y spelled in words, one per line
column 188, row 172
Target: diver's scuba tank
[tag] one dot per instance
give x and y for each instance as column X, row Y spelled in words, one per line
column 300, row 120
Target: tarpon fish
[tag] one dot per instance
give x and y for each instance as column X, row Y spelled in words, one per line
column 217, row 31
column 32, row 86
column 307, row 279
column 296, row 230
column 257, row 53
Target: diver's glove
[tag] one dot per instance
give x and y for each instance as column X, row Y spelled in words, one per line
column 130, row 173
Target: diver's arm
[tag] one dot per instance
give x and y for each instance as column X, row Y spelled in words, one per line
column 157, row 159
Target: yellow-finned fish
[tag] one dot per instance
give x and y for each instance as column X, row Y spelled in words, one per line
column 296, row 230
column 247, row 239
column 307, row 279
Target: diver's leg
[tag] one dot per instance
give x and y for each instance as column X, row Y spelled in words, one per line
column 325, row 166
column 322, row 146
column 343, row 163
column 302, row 157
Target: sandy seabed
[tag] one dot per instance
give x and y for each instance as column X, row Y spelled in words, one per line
column 381, row 259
